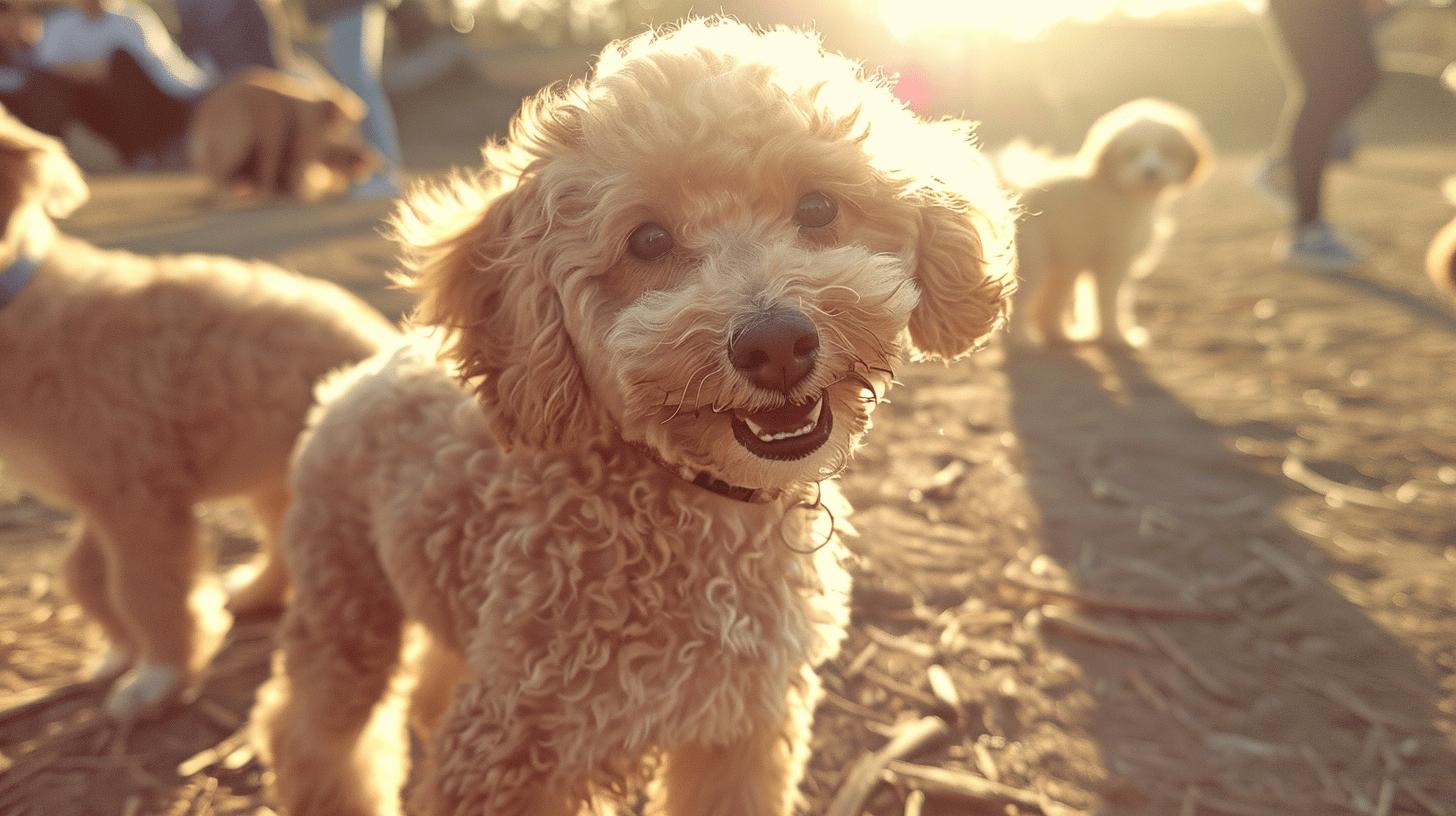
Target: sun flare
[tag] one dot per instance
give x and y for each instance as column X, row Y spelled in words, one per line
column 917, row 19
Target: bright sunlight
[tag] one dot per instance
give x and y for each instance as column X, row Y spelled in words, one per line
column 914, row 19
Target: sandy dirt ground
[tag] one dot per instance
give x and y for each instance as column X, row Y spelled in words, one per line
column 1214, row 577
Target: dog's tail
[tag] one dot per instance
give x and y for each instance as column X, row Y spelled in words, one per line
column 1022, row 165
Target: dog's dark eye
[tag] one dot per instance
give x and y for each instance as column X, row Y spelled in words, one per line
column 649, row 242
column 815, row 210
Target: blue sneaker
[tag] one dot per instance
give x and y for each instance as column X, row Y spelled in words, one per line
column 1317, row 248
column 381, row 186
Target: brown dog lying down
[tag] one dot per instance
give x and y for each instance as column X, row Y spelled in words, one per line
column 262, row 132
column 1441, row 259
column 133, row 387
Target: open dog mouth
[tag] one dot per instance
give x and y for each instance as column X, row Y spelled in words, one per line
column 786, row 433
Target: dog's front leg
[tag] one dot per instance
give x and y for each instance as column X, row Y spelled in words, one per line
column 756, row 775
column 484, row 759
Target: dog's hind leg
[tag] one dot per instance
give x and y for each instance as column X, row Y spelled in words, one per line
column 757, row 775
column 1114, row 307
column 1053, row 305
column 153, row 558
column 84, row 573
column 260, row 587
column 319, row 722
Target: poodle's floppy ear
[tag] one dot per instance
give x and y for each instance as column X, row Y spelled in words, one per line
column 53, row 176
column 965, row 257
column 481, row 259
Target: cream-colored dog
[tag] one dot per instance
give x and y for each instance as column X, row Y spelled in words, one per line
column 672, row 297
column 1102, row 214
column 131, row 388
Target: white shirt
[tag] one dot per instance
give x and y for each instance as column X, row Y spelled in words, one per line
column 69, row 36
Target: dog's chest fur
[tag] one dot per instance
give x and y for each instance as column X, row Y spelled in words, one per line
column 599, row 581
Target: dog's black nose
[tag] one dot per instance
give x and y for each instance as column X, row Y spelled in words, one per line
column 777, row 351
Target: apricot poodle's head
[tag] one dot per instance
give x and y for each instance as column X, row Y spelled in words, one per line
column 720, row 247
column 1147, row 145
column 36, row 174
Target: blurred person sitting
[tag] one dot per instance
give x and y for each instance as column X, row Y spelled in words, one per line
column 1331, row 68
column 355, row 34
column 110, row 65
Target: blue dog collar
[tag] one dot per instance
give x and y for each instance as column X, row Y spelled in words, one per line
column 14, row 278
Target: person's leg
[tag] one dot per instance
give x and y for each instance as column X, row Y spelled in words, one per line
column 1330, row 51
column 356, row 50
column 45, row 103
column 131, row 113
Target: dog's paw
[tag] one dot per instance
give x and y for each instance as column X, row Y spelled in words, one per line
column 108, row 667
column 145, row 691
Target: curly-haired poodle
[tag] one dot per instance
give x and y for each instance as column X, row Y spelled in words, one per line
column 670, row 300
column 1102, row 214
column 133, row 387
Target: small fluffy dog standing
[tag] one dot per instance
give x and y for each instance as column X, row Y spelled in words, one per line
column 131, row 388
column 672, row 297
column 262, row 132
column 1102, row 214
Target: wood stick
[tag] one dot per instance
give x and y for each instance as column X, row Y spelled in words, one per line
column 1297, row 577
column 47, row 698
column 1422, row 798
column 1189, row 807
column 944, row 689
column 896, row 686
column 208, row 757
column 861, row 660
column 1385, row 800
column 1343, row 696
column 909, row 646
column 1071, row 622
column 915, row 803
column 864, row 775
column 1297, row 471
column 950, row 782
column 985, row 763
column 1321, row 772
column 1018, row 576
column 1145, row 689
column 1205, row 680
column 854, row 709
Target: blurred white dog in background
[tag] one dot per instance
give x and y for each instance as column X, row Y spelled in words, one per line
column 1101, row 213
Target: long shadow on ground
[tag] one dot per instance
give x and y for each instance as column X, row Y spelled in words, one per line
column 1297, row 702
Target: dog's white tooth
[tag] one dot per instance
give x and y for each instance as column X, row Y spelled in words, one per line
column 817, row 410
column 757, row 429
